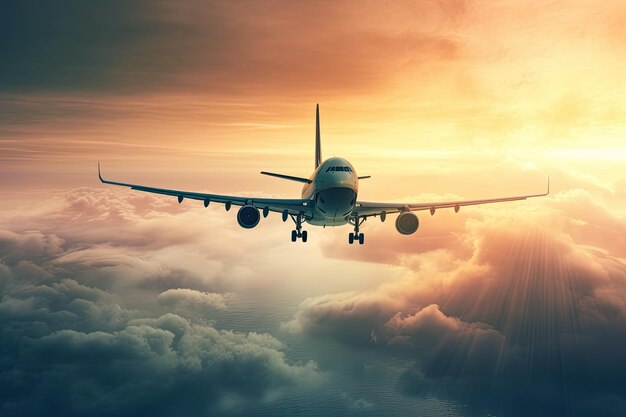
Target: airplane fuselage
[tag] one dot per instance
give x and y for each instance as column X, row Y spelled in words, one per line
column 333, row 190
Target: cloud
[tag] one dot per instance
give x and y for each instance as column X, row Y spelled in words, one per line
column 18, row 247
column 94, row 320
column 358, row 404
column 524, row 315
column 74, row 43
column 217, row 47
column 147, row 364
column 185, row 296
column 127, row 239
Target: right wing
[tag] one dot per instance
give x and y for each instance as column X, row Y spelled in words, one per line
column 279, row 205
column 367, row 209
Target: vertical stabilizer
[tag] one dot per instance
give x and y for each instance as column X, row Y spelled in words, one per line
column 318, row 144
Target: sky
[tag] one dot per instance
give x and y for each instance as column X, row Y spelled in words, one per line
column 117, row 302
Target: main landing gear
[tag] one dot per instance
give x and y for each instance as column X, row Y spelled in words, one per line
column 356, row 236
column 359, row 237
column 298, row 233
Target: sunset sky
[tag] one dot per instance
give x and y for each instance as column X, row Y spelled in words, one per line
column 117, row 302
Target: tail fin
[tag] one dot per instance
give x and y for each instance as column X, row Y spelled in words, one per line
column 318, row 144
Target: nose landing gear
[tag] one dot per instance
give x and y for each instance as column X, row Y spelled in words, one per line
column 356, row 236
column 298, row 233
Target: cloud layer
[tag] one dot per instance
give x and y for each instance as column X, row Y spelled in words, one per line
column 514, row 318
column 110, row 301
column 100, row 318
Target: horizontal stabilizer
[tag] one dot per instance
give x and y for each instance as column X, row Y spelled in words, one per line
column 287, row 177
column 365, row 177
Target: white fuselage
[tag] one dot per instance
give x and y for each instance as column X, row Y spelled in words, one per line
column 333, row 190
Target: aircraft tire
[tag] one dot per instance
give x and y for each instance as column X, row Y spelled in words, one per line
column 361, row 239
column 294, row 235
column 351, row 238
column 304, row 235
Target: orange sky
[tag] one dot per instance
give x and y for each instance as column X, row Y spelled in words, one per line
column 407, row 90
column 434, row 99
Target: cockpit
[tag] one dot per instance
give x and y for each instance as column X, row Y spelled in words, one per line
column 338, row 169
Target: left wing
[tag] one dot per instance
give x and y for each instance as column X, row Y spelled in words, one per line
column 291, row 206
column 367, row 209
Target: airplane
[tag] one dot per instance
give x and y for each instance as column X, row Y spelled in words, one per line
column 329, row 198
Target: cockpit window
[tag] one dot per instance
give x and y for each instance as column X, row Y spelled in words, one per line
column 342, row 169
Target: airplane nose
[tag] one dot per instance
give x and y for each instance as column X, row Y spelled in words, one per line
column 337, row 201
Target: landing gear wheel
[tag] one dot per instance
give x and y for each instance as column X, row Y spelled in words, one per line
column 356, row 221
column 298, row 233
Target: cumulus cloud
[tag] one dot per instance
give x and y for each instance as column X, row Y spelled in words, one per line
column 16, row 247
column 131, row 239
column 94, row 318
column 524, row 315
column 185, row 296
column 146, row 364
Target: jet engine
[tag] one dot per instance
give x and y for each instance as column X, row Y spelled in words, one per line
column 407, row 223
column 248, row 217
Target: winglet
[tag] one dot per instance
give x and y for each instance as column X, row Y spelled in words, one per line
column 548, row 192
column 99, row 175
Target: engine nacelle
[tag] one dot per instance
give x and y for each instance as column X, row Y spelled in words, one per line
column 407, row 223
column 248, row 217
